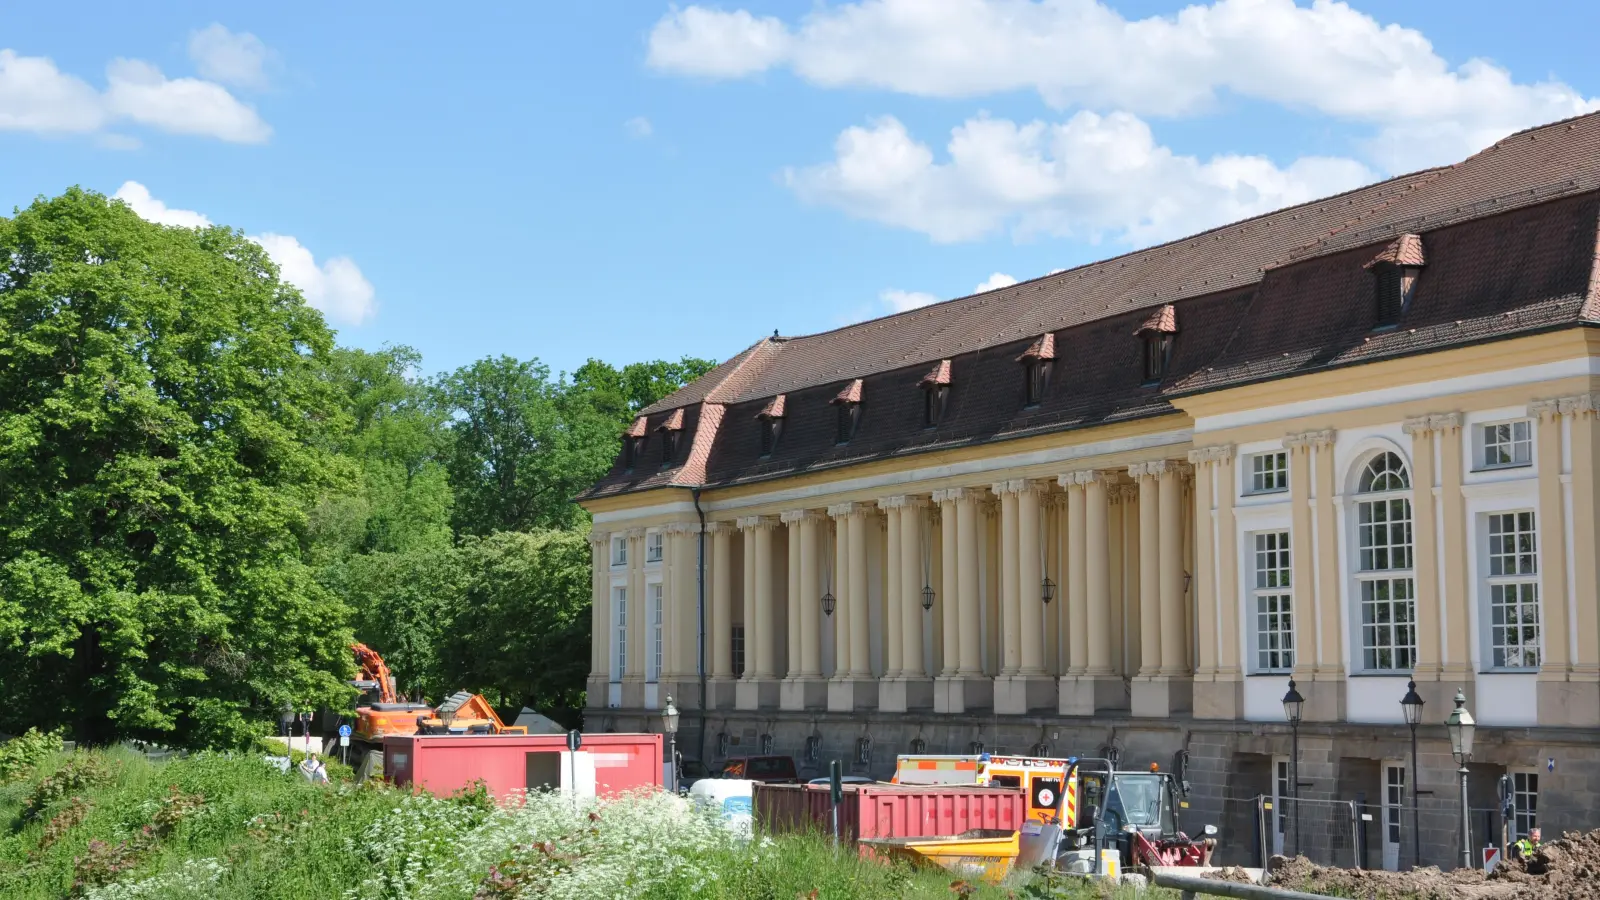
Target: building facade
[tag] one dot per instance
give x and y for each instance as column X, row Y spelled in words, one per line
column 1117, row 509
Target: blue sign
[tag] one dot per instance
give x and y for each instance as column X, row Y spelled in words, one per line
column 344, row 731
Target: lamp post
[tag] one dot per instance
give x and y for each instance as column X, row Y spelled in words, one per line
column 1461, row 726
column 1411, row 704
column 1292, row 705
column 669, row 726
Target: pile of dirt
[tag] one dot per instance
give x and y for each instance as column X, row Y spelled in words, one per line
column 1564, row 869
column 1234, row 874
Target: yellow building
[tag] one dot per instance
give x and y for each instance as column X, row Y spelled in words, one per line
column 1351, row 443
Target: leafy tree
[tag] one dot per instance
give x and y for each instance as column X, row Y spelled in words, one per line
column 163, row 431
column 521, row 633
column 621, row 393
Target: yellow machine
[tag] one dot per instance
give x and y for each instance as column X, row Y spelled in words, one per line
column 1040, row 777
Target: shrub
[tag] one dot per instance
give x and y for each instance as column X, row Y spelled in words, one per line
column 81, row 772
column 20, row 755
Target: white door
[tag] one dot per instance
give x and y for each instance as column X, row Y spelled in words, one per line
column 1280, row 792
column 1394, row 802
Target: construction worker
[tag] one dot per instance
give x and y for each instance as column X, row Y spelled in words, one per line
column 1525, row 847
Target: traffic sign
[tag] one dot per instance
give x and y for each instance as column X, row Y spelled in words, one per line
column 344, row 731
column 1491, row 858
column 574, row 740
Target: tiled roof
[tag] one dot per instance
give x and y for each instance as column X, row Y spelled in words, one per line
column 1511, row 243
column 1164, row 320
column 1405, row 250
column 1042, row 348
column 939, row 375
column 773, row 409
column 673, row 422
column 850, row 394
column 639, row 428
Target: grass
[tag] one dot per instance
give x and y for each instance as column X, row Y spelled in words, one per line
column 111, row 825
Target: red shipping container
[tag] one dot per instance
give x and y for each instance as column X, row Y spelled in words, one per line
column 606, row 764
column 889, row 810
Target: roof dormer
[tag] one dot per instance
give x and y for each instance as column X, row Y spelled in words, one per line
column 1394, row 277
column 1037, row 363
column 848, row 402
column 670, row 430
column 935, row 393
column 1158, row 333
column 771, row 421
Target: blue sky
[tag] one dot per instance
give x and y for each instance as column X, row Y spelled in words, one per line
column 630, row 180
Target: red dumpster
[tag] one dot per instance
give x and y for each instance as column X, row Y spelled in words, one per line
column 890, row 810
column 606, row 764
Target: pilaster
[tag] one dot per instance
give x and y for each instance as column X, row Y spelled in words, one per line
column 1218, row 689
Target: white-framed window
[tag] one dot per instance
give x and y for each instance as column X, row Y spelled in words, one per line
column 653, row 542
column 1394, row 800
column 1274, row 602
column 1504, row 445
column 1280, row 799
column 1387, row 589
column 1513, row 590
column 619, row 632
column 619, row 550
column 1525, row 794
column 656, row 620
column 1269, row 473
column 737, row 642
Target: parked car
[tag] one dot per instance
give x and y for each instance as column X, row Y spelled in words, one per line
column 845, row 779
column 766, row 769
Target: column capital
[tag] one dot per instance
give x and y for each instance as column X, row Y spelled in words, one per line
column 722, row 526
column 599, row 538
column 795, row 516
column 1079, row 479
column 1308, row 439
column 845, row 510
column 746, row 522
column 1577, row 405
column 952, row 495
column 1220, row 454
column 634, row 534
column 1016, row 486
column 896, row 501
column 683, row 528
column 1153, row 468
column 1417, row 425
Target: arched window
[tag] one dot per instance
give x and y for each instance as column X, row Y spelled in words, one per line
column 1384, row 566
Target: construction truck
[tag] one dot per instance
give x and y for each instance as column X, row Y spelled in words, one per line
column 1083, row 815
column 380, row 713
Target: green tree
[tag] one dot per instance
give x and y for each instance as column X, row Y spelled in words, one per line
column 163, row 431
column 521, row 633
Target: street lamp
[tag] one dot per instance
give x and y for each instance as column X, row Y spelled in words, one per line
column 1461, row 726
column 669, row 727
column 827, row 603
column 927, row 597
column 1411, row 704
column 1047, row 590
column 1293, row 703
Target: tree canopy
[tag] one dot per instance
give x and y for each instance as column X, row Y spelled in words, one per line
column 203, row 500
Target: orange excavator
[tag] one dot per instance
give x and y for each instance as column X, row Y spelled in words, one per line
column 380, row 712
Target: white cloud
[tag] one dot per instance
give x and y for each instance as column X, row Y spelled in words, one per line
column 139, row 199
column 718, row 44
column 994, row 282
column 37, row 97
column 638, row 128
column 1325, row 57
column 336, row 285
column 222, row 55
column 900, row 301
column 1089, row 177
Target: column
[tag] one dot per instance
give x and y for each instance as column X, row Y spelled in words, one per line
column 1077, row 580
column 839, row 621
column 1149, row 615
column 1204, row 585
column 1584, row 675
column 1097, row 562
column 1218, row 690
column 913, row 577
column 791, row 521
column 1010, row 646
column 1455, row 661
column 1330, row 630
column 860, row 622
column 1030, row 579
column 969, row 602
column 1425, row 556
column 720, row 628
column 811, row 552
column 1116, row 508
column 758, row 689
column 852, row 686
column 1174, row 637
column 945, row 605
column 1228, row 665
column 893, row 643
column 631, row 698
column 600, row 621
column 1302, row 572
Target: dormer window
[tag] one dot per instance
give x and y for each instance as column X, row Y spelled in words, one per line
column 1037, row 362
column 771, row 421
column 633, row 444
column 935, row 394
column 670, row 430
column 1159, row 333
column 848, row 403
column 1394, row 278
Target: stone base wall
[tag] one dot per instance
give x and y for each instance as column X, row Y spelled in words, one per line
column 1228, row 766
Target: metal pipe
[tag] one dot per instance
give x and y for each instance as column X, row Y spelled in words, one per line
column 1416, row 817
column 1193, row 884
column 700, row 648
column 1294, row 780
